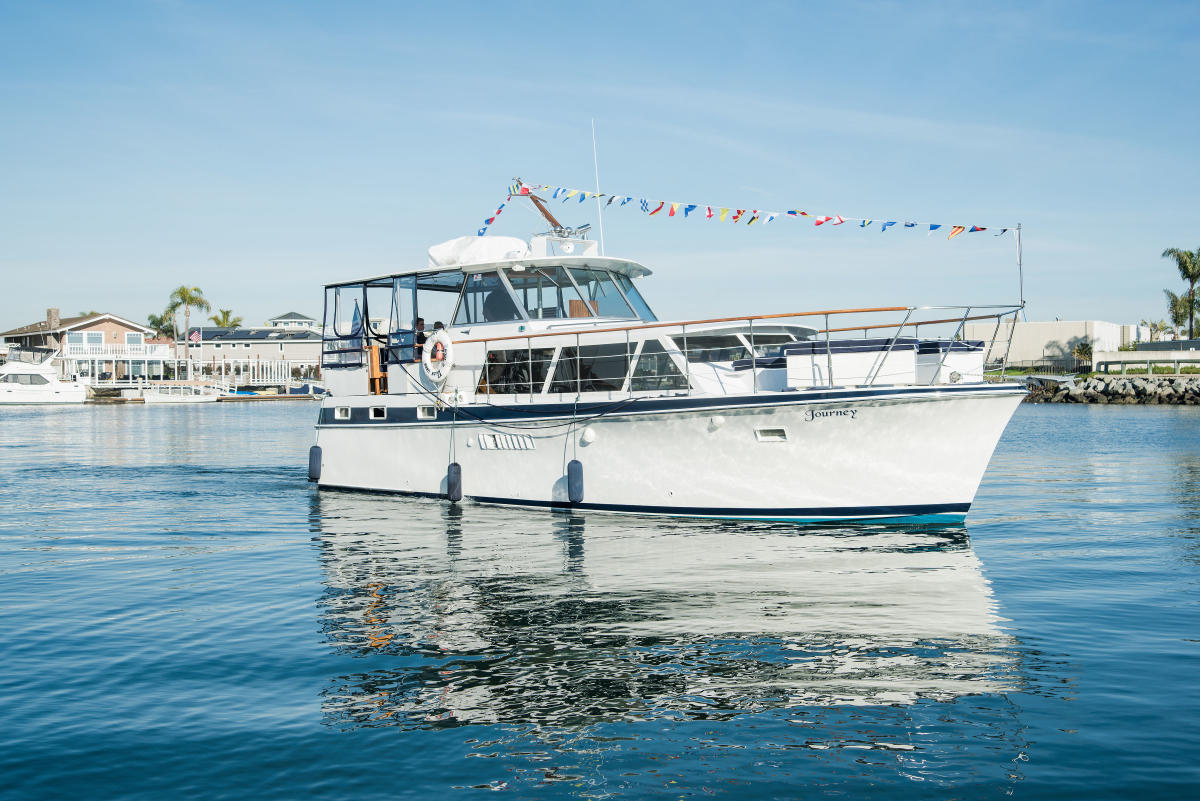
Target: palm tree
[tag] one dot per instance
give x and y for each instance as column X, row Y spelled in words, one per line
column 224, row 319
column 1178, row 311
column 187, row 298
column 1157, row 328
column 163, row 324
column 1083, row 352
column 1188, row 263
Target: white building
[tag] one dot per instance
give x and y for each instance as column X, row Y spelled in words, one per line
column 214, row 344
column 1057, row 339
column 293, row 321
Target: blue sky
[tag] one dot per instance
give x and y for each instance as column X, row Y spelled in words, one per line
column 260, row 150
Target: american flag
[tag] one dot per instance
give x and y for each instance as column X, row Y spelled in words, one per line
column 194, row 336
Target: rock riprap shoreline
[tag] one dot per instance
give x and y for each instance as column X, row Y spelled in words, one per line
column 1168, row 390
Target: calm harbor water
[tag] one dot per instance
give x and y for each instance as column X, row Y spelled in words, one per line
column 184, row 615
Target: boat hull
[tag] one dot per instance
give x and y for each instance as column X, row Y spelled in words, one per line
column 910, row 455
column 68, row 393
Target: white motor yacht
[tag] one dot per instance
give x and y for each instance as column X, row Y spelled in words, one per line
column 30, row 377
column 553, row 384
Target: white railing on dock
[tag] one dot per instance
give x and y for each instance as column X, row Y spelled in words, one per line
column 233, row 373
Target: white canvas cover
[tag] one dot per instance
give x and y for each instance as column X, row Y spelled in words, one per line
column 477, row 250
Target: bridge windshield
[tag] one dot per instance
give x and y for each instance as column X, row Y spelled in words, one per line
column 572, row 292
column 547, row 293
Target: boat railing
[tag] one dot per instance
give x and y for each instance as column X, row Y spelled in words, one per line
column 720, row 354
column 750, row 343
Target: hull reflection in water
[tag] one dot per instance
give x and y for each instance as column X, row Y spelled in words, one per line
column 481, row 615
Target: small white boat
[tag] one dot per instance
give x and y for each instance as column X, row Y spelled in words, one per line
column 554, row 385
column 36, row 381
column 181, row 393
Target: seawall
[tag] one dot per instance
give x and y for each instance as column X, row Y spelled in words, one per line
column 1125, row 390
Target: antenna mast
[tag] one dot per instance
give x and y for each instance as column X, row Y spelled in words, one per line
column 599, row 206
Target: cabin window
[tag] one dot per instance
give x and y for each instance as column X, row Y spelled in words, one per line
column 601, row 293
column 656, row 370
column 519, row 372
column 341, row 413
column 712, row 347
column 217, row 346
column 635, row 297
column 767, row 344
column 547, row 293
column 591, row 368
column 25, row 379
column 378, row 412
column 485, row 299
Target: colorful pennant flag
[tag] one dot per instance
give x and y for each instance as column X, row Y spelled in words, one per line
column 492, row 219
column 520, row 188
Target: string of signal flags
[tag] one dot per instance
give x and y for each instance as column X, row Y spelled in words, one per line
column 731, row 214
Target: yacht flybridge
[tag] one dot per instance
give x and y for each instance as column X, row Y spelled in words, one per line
column 537, row 374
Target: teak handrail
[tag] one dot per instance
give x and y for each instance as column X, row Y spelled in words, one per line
column 644, row 326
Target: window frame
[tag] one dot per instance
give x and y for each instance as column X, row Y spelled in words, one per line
column 504, row 284
column 587, row 299
column 533, row 270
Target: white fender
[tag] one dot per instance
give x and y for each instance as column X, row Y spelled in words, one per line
column 437, row 356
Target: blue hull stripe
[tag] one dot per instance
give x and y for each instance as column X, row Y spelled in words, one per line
column 943, row 510
column 624, row 406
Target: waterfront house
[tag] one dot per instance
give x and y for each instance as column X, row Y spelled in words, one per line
column 214, row 344
column 102, row 345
